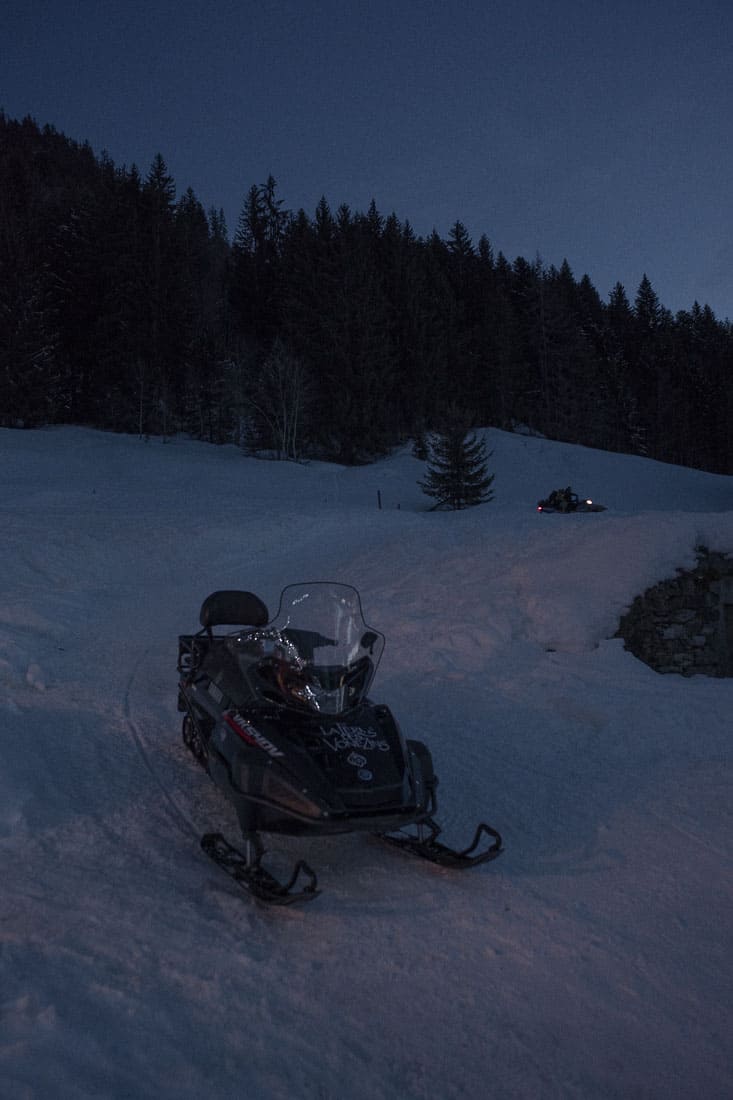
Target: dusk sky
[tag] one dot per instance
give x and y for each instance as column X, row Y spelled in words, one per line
column 593, row 131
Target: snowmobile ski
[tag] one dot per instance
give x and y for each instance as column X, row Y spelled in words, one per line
column 253, row 876
column 429, row 847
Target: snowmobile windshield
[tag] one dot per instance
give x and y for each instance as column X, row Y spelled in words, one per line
column 317, row 654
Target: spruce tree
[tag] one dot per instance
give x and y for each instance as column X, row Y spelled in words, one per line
column 457, row 471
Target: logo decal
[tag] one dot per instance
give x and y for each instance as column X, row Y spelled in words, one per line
column 249, row 734
column 356, row 760
column 340, row 736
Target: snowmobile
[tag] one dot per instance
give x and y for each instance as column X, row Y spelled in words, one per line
column 565, row 500
column 277, row 712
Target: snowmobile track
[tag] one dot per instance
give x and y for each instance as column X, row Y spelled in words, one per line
column 178, row 815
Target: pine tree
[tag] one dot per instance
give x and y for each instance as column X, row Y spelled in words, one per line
column 278, row 397
column 257, row 269
column 161, row 303
column 457, row 472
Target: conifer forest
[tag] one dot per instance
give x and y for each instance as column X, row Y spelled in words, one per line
column 332, row 334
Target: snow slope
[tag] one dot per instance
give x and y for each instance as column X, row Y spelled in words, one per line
column 593, row 960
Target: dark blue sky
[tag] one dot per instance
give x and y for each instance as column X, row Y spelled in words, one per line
column 582, row 129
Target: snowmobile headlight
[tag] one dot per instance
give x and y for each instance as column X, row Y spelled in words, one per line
column 279, row 790
column 299, row 692
column 332, row 702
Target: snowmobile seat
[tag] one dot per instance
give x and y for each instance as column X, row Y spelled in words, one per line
column 230, row 607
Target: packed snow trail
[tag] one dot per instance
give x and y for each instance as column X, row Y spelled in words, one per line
column 590, row 961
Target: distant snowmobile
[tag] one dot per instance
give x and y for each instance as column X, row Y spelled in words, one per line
column 565, row 500
column 278, row 715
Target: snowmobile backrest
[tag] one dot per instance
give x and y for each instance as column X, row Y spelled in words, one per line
column 233, row 608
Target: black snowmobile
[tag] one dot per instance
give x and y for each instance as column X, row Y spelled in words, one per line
column 565, row 500
column 277, row 713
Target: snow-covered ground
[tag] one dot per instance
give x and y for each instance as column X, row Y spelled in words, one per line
column 593, row 960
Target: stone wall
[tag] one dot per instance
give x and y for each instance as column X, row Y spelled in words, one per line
column 685, row 624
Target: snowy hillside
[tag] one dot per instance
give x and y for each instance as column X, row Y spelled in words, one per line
column 593, row 960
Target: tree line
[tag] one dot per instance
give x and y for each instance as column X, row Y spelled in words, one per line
column 337, row 334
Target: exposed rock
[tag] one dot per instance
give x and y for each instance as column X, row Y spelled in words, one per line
column 685, row 624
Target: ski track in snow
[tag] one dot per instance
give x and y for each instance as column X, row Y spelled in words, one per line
column 592, row 960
